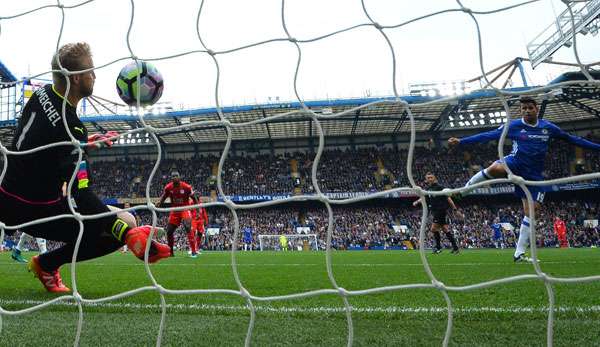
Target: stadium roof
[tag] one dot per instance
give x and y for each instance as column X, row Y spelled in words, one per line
column 5, row 74
column 476, row 110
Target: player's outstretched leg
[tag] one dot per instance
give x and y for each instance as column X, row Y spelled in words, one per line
column 495, row 170
column 46, row 267
column 481, row 176
column 101, row 236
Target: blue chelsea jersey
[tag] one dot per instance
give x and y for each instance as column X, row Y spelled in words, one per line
column 530, row 145
column 497, row 228
column 247, row 232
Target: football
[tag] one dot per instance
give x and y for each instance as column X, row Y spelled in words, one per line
column 139, row 79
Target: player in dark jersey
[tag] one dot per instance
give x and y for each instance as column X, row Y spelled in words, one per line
column 438, row 208
column 32, row 186
column 530, row 137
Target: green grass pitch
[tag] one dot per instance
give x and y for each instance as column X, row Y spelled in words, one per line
column 512, row 314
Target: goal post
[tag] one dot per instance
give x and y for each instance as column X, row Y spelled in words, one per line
column 294, row 242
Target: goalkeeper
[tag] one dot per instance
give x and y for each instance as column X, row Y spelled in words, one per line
column 283, row 243
column 31, row 188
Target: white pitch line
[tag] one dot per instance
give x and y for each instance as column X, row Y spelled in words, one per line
column 319, row 309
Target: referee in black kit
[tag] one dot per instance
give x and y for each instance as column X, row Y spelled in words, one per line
column 438, row 206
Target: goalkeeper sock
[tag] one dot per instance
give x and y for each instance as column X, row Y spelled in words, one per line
column 479, row 177
column 523, row 237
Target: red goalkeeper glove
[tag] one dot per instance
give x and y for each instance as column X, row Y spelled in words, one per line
column 101, row 140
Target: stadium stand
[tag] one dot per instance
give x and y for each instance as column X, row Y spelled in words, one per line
column 339, row 170
column 371, row 227
column 356, row 227
column 259, row 167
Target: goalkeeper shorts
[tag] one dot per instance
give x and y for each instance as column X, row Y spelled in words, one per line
column 15, row 210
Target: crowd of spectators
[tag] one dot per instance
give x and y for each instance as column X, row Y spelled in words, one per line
column 349, row 170
column 368, row 227
column 128, row 177
column 257, row 175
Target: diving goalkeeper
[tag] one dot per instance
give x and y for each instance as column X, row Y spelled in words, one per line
column 31, row 188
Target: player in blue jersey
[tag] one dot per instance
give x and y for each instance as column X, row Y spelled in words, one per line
column 530, row 137
column 247, row 237
column 497, row 234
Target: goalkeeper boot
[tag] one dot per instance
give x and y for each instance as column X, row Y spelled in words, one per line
column 51, row 280
column 137, row 239
column 437, row 250
column 17, row 256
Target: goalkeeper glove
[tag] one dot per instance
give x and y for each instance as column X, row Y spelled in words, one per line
column 101, row 140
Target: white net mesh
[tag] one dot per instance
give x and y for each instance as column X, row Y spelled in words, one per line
column 229, row 127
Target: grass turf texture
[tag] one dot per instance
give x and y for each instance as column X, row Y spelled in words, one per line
column 506, row 314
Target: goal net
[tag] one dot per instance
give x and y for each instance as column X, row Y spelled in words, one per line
column 200, row 46
column 291, row 242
